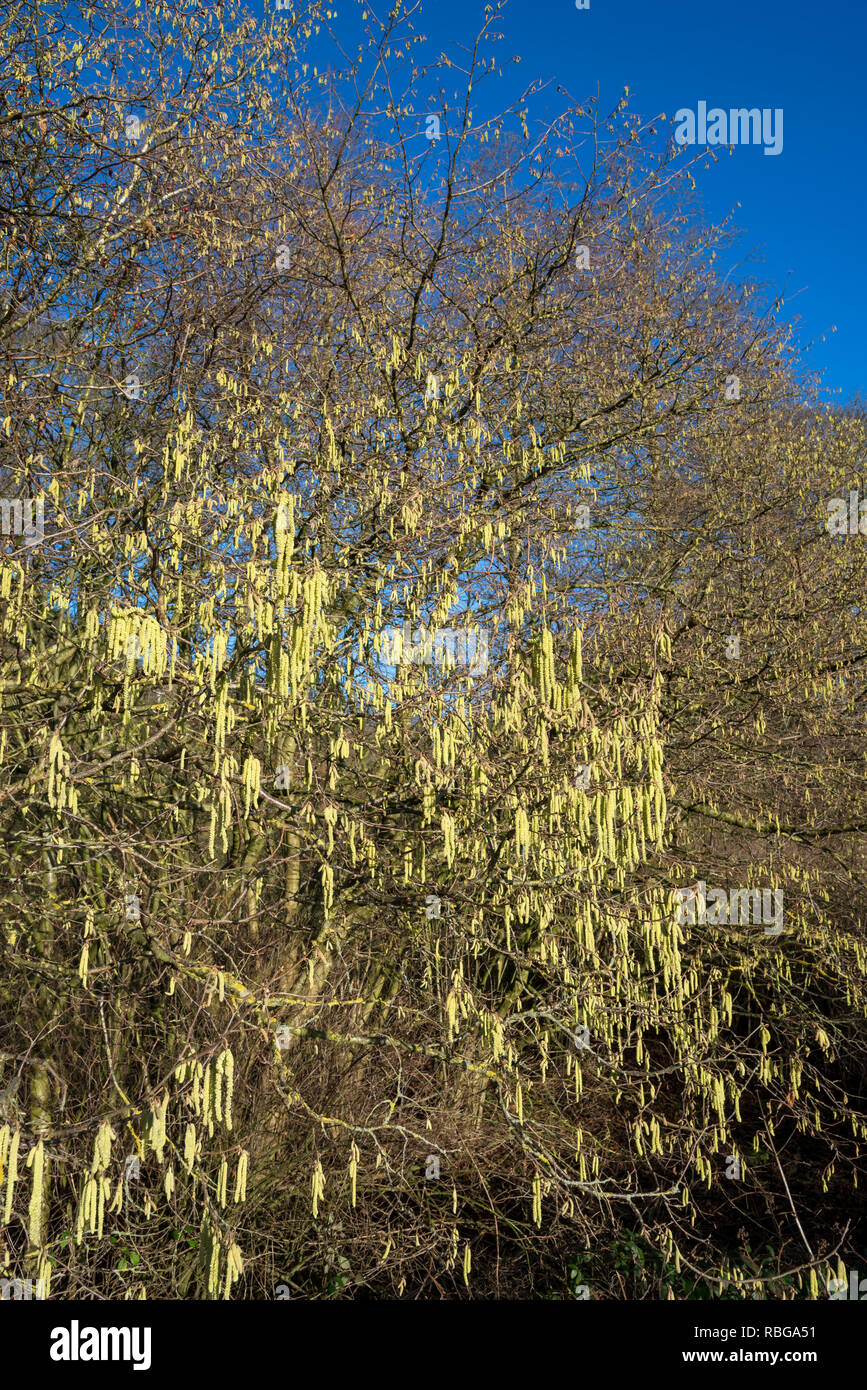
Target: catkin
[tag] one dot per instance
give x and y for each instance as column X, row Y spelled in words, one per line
column 240, row 1194
column 537, row 1200
column 12, row 1175
column 353, row 1171
column 190, row 1147
column 229, row 1082
column 234, row 1268
column 217, row 1087
column 102, row 1148
column 214, row 1266
column 36, row 1161
column 158, row 1127
column 43, row 1275
column 317, row 1186
column 207, row 1105
column 102, row 1193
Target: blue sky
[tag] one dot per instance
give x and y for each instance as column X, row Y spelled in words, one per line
column 802, row 211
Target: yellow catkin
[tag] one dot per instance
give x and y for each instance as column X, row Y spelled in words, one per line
column 36, row 1161
column 11, row 1174
column 5, row 1135
column 317, row 1186
column 229, row 1084
column 43, row 1275
column 158, row 1127
column 214, row 1266
column 234, row 1268
column 451, row 1013
column 91, row 1204
column 217, row 1086
column 353, row 1171
column 102, row 1193
column 241, row 1177
column 190, row 1147
column 207, row 1102
column 102, row 1148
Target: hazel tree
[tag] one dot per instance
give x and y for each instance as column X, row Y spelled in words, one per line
column 351, row 696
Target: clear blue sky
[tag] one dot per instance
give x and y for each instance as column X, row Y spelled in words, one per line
column 802, row 212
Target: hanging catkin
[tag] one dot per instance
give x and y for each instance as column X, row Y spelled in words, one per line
column 190, row 1147
column 222, row 1181
column 217, row 1086
column 229, row 1083
column 354, row 1154
column 36, row 1161
column 12, row 1174
column 317, row 1185
column 158, row 1127
column 102, row 1148
column 207, row 1103
column 241, row 1177
column 213, row 1264
column 234, row 1268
